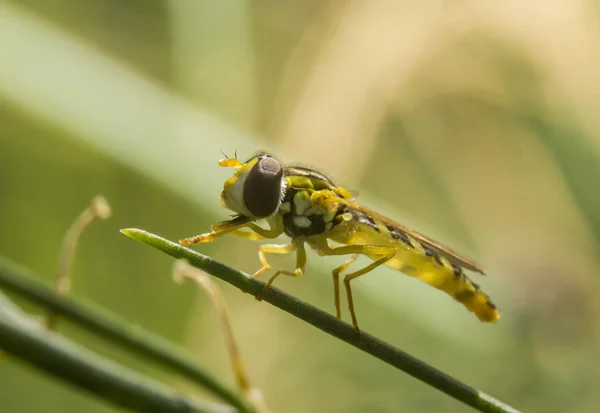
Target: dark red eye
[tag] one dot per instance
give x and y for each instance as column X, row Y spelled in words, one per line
column 262, row 188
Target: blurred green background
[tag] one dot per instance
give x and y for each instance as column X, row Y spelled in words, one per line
column 476, row 123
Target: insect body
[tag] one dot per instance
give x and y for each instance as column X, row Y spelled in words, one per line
column 309, row 208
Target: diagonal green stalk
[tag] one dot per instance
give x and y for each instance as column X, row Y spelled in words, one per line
column 329, row 324
column 26, row 339
column 20, row 281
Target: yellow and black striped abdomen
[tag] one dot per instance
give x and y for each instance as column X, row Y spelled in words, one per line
column 417, row 259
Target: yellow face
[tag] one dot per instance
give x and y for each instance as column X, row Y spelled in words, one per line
column 255, row 190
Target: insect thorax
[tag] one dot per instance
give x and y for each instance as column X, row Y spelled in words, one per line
column 306, row 209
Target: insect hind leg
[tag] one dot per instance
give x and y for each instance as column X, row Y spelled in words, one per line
column 336, row 283
column 373, row 251
column 356, row 274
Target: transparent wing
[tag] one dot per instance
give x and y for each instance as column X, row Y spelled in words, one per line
column 452, row 256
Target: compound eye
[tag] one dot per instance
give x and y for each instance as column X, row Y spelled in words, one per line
column 262, row 187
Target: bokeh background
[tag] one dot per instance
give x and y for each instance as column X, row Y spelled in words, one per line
column 474, row 122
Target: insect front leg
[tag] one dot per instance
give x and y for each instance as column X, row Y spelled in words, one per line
column 233, row 227
column 249, row 235
column 218, row 230
column 275, row 227
column 280, row 249
column 384, row 254
column 257, row 233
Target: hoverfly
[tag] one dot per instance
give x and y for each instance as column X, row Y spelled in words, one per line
column 309, row 208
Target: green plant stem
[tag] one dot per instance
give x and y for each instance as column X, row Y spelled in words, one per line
column 28, row 340
column 110, row 327
column 329, row 324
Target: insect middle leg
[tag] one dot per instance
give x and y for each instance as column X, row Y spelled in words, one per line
column 280, row 249
column 384, row 254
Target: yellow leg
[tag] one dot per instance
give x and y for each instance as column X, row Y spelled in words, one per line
column 280, row 249
column 233, row 227
column 218, row 230
column 386, row 253
column 271, row 249
column 275, row 227
column 336, row 283
column 250, row 235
